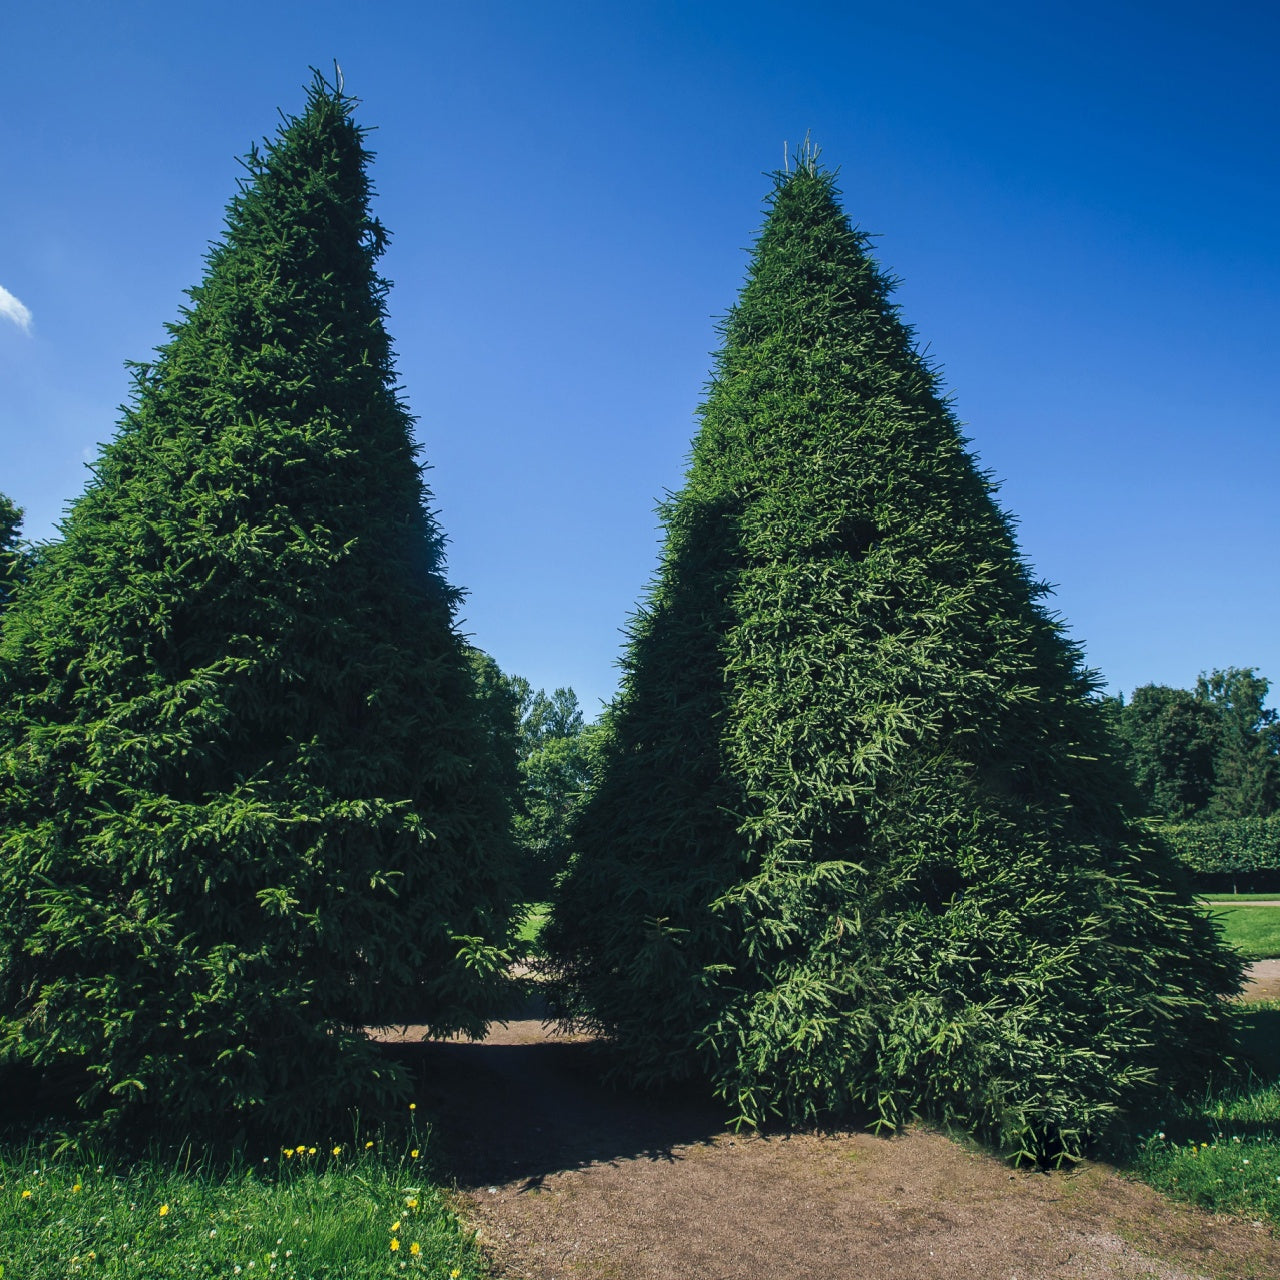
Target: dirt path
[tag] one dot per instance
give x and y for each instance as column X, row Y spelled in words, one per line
column 567, row 1180
column 1263, row 981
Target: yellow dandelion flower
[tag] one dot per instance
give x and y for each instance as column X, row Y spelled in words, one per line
column 311, row 1151
column 164, row 1209
column 337, row 1151
column 412, row 1202
column 367, row 1145
column 454, row 1274
column 26, row 1195
column 288, row 1153
column 414, row 1153
column 415, row 1248
column 78, row 1187
column 395, row 1226
column 395, row 1245
column 413, row 1106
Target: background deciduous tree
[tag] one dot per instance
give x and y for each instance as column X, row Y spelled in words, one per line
column 544, row 752
column 1170, row 741
column 1247, row 763
column 1204, row 754
column 555, row 775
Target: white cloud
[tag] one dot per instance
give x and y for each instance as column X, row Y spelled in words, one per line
column 12, row 309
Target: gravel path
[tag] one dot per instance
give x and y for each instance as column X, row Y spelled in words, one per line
column 567, row 1180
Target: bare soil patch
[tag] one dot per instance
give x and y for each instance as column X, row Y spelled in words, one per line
column 568, row 1180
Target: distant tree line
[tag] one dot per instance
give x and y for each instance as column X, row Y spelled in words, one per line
column 1211, row 753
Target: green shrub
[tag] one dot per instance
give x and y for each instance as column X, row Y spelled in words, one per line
column 857, row 846
column 246, row 807
column 1240, row 855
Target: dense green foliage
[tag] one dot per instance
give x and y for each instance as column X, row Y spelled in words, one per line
column 245, row 807
column 315, row 1214
column 1169, row 738
column 543, row 753
column 1229, row 856
column 1208, row 753
column 499, row 702
column 1207, row 763
column 556, row 753
column 12, row 558
column 1247, row 760
column 857, row 845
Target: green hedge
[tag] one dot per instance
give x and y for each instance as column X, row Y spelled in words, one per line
column 1241, row 855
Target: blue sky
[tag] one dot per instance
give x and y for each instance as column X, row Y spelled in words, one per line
column 1081, row 200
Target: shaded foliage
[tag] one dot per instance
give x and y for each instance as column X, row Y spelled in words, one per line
column 858, row 846
column 542, row 750
column 245, row 808
column 1229, row 855
column 1170, row 740
column 500, row 705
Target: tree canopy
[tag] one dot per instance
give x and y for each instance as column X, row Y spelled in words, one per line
column 858, row 845
column 545, row 752
column 1208, row 753
column 245, row 805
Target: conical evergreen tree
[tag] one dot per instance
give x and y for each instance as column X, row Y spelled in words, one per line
column 242, row 814
column 859, row 847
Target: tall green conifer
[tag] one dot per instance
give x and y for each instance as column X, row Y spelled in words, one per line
column 242, row 810
column 858, row 847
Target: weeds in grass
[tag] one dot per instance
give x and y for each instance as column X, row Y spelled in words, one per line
column 1222, row 1151
column 310, row 1211
column 1226, row 1173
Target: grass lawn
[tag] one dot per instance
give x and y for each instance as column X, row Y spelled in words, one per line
column 1254, row 931
column 300, row 1214
column 1222, row 1151
column 535, row 917
column 322, row 1212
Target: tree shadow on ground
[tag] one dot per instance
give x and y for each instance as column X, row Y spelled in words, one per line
column 517, row 1107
